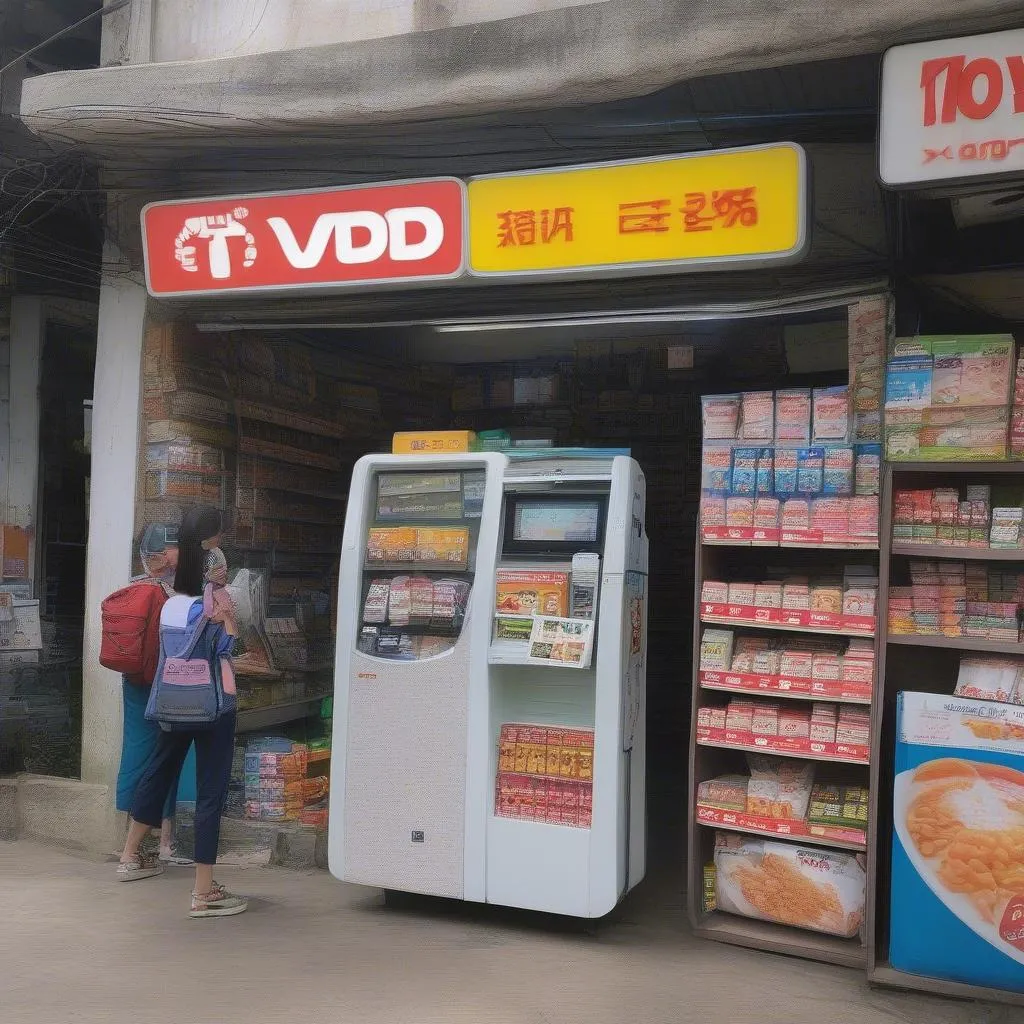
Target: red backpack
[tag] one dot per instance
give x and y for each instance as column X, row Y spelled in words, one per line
column 130, row 641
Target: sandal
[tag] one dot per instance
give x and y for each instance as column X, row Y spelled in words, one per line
column 142, row 865
column 218, row 902
column 170, row 855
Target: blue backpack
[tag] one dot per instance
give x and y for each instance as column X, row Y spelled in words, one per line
column 188, row 690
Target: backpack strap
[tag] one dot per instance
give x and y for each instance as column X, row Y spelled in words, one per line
column 197, row 633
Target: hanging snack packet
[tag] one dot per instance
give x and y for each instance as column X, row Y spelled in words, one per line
column 375, row 608
column 399, row 601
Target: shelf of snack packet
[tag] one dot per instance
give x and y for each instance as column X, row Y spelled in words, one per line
column 792, row 688
column 961, row 466
column 981, row 554
column 825, row 604
column 275, row 779
column 415, row 549
column 956, row 643
column 782, row 828
column 736, row 536
column 967, row 604
column 813, row 750
column 954, row 491
column 795, row 468
column 792, row 621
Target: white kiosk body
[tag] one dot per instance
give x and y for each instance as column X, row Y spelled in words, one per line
column 422, row 694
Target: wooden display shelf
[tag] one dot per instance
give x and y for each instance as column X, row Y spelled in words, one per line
column 805, row 751
column 274, row 452
column 937, row 656
column 249, row 409
column 957, row 643
column 939, row 468
column 724, row 620
column 250, row 674
column 890, row 977
column 745, row 537
column 337, row 521
column 793, row 689
column 305, row 492
column 778, row 938
column 706, row 764
column 963, row 554
column 782, row 828
column 255, row 719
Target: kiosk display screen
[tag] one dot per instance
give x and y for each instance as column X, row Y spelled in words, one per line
column 559, row 522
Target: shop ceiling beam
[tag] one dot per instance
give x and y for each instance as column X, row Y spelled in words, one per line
column 580, row 55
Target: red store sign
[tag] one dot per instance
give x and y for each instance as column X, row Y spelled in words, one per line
column 400, row 233
column 952, row 109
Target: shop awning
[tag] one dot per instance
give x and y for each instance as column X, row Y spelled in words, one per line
column 581, row 55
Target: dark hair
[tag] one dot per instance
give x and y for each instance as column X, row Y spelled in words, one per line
column 198, row 524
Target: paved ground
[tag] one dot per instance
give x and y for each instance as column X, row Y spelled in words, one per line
column 76, row 946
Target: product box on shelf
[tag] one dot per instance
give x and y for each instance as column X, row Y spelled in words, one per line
column 754, row 725
column 529, row 591
column 831, row 414
column 721, row 417
column 949, row 398
column 793, row 411
column 845, row 606
column 868, row 325
column 956, row 902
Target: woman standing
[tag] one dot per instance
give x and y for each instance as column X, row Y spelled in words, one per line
column 139, row 737
column 214, row 744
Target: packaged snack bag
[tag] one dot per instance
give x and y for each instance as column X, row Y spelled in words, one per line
column 821, row 890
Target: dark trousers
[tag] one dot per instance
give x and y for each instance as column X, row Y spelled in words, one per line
column 214, row 751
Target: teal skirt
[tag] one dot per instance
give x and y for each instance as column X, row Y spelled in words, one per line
column 138, row 741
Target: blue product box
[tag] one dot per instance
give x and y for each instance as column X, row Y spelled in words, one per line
column 785, row 472
column 837, row 477
column 908, row 383
column 957, row 902
column 744, row 471
column 766, row 473
column 716, row 469
column 810, row 470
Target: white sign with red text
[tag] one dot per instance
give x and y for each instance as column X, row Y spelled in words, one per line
column 952, row 109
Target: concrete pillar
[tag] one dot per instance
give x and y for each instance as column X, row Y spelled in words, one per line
column 117, row 398
column 127, row 34
column 28, row 327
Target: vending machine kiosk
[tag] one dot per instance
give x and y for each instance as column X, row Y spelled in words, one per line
column 489, row 712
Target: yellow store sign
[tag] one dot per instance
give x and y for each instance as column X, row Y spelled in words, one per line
column 746, row 206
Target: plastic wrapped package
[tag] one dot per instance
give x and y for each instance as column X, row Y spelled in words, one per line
column 813, row 888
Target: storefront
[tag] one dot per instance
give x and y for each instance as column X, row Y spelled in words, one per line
column 260, row 401
column 261, row 388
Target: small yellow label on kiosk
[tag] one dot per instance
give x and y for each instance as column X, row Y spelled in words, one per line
column 433, row 442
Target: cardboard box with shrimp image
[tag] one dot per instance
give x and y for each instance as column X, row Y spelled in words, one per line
column 957, row 902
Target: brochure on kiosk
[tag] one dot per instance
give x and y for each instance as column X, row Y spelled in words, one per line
column 490, row 679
